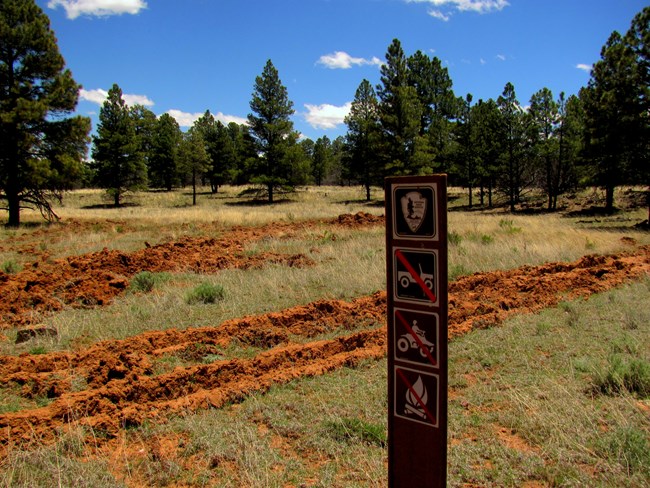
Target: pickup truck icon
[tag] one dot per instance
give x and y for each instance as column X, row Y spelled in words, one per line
column 405, row 279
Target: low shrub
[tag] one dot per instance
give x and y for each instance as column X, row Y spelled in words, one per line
column 10, row 267
column 624, row 374
column 205, row 293
column 144, row 281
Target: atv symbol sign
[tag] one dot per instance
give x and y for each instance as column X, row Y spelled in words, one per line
column 416, row 336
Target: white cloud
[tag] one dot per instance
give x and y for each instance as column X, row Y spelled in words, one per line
column 99, row 95
column 98, row 8
column 342, row 60
column 226, row 119
column 137, row 100
column 501, row 57
column 437, row 14
column 186, row 119
column 584, row 67
column 483, row 61
column 479, row 6
column 95, row 96
column 326, row 116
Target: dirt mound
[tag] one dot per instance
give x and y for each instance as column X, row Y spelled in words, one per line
column 96, row 278
column 359, row 219
column 121, row 388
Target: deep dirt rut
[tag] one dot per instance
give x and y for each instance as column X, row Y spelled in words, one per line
column 120, row 387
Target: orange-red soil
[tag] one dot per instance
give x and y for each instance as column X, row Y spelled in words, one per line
column 121, row 388
column 96, row 278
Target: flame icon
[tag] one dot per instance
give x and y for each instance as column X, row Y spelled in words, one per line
column 416, row 399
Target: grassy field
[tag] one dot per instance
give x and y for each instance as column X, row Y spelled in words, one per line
column 560, row 398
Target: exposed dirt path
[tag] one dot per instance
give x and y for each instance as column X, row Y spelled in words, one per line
column 96, row 278
column 121, row 390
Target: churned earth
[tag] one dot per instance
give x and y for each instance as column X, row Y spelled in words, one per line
column 120, row 387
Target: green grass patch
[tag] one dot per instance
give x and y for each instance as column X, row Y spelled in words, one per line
column 624, row 373
column 355, row 429
column 10, row 267
column 205, row 293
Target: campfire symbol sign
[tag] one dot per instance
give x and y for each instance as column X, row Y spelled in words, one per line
column 414, row 209
column 416, row 396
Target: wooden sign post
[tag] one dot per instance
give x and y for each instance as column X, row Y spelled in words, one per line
column 416, row 252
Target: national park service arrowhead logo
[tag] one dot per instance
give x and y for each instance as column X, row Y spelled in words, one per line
column 414, row 208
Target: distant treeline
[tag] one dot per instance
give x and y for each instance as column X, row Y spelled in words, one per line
column 411, row 123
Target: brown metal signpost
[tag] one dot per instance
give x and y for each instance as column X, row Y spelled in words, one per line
column 416, row 251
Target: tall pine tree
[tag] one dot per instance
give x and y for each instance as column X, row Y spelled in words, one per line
column 401, row 114
column 272, row 131
column 40, row 149
column 362, row 157
column 117, row 160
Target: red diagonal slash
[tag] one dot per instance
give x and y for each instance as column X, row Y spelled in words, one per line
column 416, row 337
column 429, row 415
column 415, row 275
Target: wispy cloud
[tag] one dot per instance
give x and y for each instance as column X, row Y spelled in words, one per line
column 99, row 95
column 187, row 119
column 584, row 67
column 478, row 6
column 501, row 57
column 437, row 14
column 98, row 8
column 342, row 60
column 326, row 116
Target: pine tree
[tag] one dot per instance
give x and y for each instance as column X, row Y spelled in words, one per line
column 117, row 160
column 163, row 159
column 321, row 160
column 439, row 105
column 193, row 158
column 362, row 159
column 486, row 122
column 272, row 131
column 637, row 39
column 400, row 111
column 544, row 113
column 513, row 140
column 40, row 149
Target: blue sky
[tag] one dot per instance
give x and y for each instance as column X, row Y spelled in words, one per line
column 187, row 56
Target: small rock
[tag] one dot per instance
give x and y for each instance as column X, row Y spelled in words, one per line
column 38, row 331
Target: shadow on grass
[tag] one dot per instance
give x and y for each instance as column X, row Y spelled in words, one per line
column 100, row 206
column 258, row 203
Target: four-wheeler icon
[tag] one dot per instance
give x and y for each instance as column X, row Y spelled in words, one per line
column 407, row 341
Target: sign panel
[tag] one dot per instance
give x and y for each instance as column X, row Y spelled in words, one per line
column 416, row 396
column 416, row 275
column 416, row 253
column 416, row 337
column 416, row 206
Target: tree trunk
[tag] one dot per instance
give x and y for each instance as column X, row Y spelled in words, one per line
column 609, row 198
column 193, row 187
column 490, row 194
column 367, row 192
column 14, row 209
column 470, row 196
column 116, row 199
column 270, row 190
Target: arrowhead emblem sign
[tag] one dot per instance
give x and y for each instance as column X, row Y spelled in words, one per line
column 414, row 208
